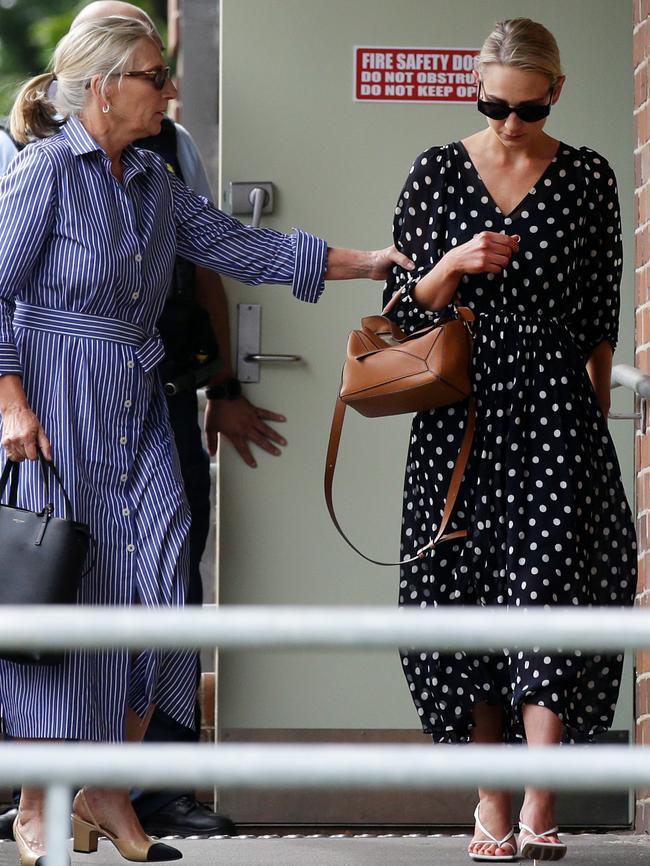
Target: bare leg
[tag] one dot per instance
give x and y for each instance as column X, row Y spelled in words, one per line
column 495, row 806
column 111, row 807
column 543, row 728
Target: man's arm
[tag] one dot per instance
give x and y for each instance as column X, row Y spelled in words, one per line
column 7, row 150
column 239, row 420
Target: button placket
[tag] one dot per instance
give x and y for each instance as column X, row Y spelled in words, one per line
column 125, row 437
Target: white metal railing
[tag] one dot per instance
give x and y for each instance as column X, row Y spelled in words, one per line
column 239, row 627
column 626, row 376
column 62, row 767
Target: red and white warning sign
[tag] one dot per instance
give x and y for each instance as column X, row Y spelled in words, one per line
column 414, row 74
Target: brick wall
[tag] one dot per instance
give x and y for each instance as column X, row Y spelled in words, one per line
column 641, row 55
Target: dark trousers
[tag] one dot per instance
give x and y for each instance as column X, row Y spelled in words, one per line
column 195, row 467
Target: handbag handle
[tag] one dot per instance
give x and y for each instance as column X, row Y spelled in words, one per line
column 12, row 468
column 450, row 499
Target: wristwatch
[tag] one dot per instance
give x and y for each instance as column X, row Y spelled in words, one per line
column 229, row 389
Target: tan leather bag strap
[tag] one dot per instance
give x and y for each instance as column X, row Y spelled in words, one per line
column 452, row 492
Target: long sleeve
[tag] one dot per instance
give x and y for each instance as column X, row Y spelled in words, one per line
column 27, row 202
column 418, row 232
column 209, row 237
column 601, row 260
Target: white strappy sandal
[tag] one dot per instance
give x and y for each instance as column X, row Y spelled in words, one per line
column 490, row 839
column 532, row 848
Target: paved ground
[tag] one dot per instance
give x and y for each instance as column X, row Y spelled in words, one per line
column 595, row 850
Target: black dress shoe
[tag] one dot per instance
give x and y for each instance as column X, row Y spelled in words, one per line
column 187, row 817
column 7, row 822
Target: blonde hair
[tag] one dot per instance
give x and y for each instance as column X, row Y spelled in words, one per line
column 103, row 46
column 524, row 44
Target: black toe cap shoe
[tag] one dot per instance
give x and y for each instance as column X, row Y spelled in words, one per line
column 159, row 852
column 7, row 823
column 187, row 817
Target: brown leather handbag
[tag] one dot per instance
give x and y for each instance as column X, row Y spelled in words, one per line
column 387, row 372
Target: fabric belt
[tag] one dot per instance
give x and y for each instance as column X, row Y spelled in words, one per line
column 149, row 349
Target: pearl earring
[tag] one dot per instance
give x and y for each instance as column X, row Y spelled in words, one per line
column 105, row 109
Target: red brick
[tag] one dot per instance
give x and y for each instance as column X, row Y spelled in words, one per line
column 207, row 699
column 643, row 698
column 644, row 10
column 641, row 290
column 643, row 661
column 642, row 582
column 642, row 247
column 639, row 44
column 642, row 126
column 646, row 490
column 645, row 164
column 641, row 85
column 642, row 818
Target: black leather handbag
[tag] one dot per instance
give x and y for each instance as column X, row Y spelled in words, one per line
column 41, row 556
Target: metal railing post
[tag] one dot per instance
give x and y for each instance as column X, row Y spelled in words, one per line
column 58, row 799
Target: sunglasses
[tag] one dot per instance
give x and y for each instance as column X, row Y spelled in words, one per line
column 158, row 77
column 501, row 110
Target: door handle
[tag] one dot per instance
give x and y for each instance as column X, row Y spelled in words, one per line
column 249, row 345
column 272, row 359
column 251, row 197
column 258, row 198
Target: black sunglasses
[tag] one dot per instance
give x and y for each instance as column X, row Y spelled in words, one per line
column 158, row 77
column 501, row 110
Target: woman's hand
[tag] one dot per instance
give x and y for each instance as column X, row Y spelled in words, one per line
column 22, row 432
column 345, row 264
column 486, row 252
column 381, row 262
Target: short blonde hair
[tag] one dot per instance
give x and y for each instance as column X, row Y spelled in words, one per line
column 524, row 44
column 103, row 46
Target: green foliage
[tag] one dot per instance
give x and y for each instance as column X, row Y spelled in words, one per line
column 29, row 32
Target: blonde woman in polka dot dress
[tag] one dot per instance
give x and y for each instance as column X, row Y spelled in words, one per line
column 525, row 230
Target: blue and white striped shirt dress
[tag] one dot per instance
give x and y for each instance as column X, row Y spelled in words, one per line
column 85, row 263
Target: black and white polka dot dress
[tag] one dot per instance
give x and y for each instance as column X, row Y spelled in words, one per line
column 542, row 497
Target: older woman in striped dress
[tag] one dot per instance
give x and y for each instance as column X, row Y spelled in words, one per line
column 89, row 229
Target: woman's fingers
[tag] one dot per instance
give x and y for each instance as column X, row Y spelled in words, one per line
column 29, row 448
column 44, row 444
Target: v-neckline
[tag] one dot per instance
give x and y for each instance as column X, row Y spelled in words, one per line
column 521, row 203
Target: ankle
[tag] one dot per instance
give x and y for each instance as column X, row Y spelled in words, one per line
column 32, row 801
column 498, row 800
column 538, row 808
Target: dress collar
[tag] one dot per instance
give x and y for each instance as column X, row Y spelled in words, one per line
column 81, row 142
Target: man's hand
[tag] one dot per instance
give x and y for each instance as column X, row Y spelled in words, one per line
column 242, row 423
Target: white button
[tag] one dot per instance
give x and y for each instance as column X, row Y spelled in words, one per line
column 124, row 477
column 138, row 257
column 130, row 364
column 127, row 404
column 123, row 440
column 130, row 547
column 135, row 295
column 125, row 512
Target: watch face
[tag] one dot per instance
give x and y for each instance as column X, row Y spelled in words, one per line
column 228, row 390
column 232, row 388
